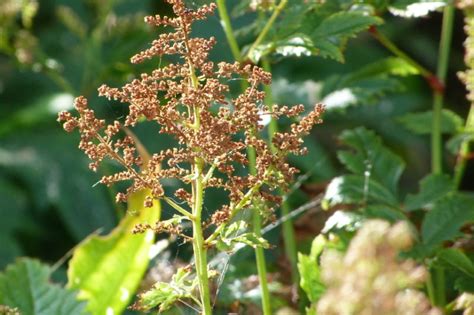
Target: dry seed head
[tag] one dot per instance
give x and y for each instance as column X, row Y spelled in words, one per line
column 179, row 98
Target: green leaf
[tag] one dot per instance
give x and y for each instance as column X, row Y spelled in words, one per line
column 448, row 215
column 371, row 159
column 234, row 235
column 344, row 24
column 108, row 269
column 454, row 144
column 432, row 188
column 383, row 212
column 164, row 295
column 356, row 189
column 457, row 259
column 421, row 123
column 388, row 66
column 26, row 286
column 310, row 273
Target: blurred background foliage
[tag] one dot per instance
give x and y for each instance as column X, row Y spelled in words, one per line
column 54, row 50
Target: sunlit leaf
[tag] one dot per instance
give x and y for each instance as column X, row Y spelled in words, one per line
column 357, row 190
column 108, row 269
column 309, row 270
column 164, row 295
column 415, row 8
column 26, row 285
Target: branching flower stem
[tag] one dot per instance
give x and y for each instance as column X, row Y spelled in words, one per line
column 199, row 248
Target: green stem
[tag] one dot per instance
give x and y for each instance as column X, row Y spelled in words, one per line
column 387, row 43
column 288, row 231
column 200, row 251
column 464, row 150
column 256, row 217
column 259, row 253
column 266, row 28
column 229, row 33
column 438, row 98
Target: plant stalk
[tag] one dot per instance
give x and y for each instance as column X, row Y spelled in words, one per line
column 200, row 251
column 438, row 97
column 287, row 225
column 229, row 33
column 256, row 217
column 266, row 28
column 387, row 43
column 436, row 141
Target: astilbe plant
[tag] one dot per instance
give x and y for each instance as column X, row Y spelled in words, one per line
column 370, row 278
column 189, row 100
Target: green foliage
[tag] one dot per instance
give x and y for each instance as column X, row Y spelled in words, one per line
column 446, row 218
column 308, row 266
column 26, row 285
column 164, row 295
column 432, row 188
column 235, row 234
column 420, row 123
column 371, row 158
column 108, row 269
column 358, row 190
column 315, row 29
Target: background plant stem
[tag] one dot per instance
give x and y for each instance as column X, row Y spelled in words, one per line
column 442, row 69
column 287, row 225
column 256, row 216
column 438, row 274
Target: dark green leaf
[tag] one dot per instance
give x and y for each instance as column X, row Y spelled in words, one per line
column 432, row 188
column 448, row 215
column 26, row 285
column 457, row 259
column 421, row 123
column 371, row 159
column 344, row 24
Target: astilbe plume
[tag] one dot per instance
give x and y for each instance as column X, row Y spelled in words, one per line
column 188, row 99
column 208, row 137
column 370, row 278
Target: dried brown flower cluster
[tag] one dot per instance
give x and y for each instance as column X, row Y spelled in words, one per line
column 370, row 279
column 188, row 99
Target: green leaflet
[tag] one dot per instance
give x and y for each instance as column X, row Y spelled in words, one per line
column 457, row 259
column 371, row 158
column 344, row 24
column 443, row 222
column 235, row 234
column 421, row 123
column 355, row 189
column 308, row 268
column 107, row 269
column 164, row 295
column 26, row 286
column 433, row 187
